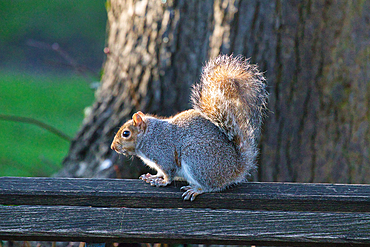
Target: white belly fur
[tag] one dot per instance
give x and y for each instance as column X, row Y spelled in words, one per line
column 185, row 173
column 151, row 164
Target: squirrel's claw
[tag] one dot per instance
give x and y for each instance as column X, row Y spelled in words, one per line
column 146, row 177
column 190, row 192
column 154, row 180
column 158, row 182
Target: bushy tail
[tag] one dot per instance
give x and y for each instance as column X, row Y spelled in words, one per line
column 232, row 94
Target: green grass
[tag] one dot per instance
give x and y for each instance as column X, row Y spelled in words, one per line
column 28, row 150
column 78, row 26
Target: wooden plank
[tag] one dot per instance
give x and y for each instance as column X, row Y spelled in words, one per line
column 136, row 193
column 206, row 226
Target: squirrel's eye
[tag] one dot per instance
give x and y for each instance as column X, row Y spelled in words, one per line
column 126, row 133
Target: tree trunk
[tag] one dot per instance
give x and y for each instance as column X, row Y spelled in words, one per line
column 315, row 55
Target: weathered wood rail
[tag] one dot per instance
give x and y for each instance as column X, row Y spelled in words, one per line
column 112, row 210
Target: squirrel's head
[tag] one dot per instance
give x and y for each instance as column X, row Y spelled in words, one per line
column 126, row 138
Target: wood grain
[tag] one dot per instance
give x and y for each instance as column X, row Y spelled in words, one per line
column 117, row 210
column 181, row 225
column 135, row 193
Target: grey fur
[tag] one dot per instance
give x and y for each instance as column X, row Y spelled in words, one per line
column 213, row 145
column 241, row 118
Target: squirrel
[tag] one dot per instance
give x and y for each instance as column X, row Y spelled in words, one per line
column 213, row 145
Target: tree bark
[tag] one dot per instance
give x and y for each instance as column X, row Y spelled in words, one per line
column 315, row 55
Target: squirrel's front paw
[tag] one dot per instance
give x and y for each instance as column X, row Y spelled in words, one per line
column 146, row 177
column 190, row 192
column 154, row 180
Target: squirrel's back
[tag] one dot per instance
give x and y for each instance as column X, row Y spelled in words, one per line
column 232, row 94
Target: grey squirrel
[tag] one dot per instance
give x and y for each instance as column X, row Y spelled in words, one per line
column 211, row 146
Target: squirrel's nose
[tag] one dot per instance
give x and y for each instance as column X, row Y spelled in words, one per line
column 113, row 146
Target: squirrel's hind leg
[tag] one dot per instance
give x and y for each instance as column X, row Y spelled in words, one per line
column 191, row 192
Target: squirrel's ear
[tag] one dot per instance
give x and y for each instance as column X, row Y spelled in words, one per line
column 138, row 120
column 140, row 113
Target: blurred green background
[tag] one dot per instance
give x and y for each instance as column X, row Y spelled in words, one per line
column 51, row 53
